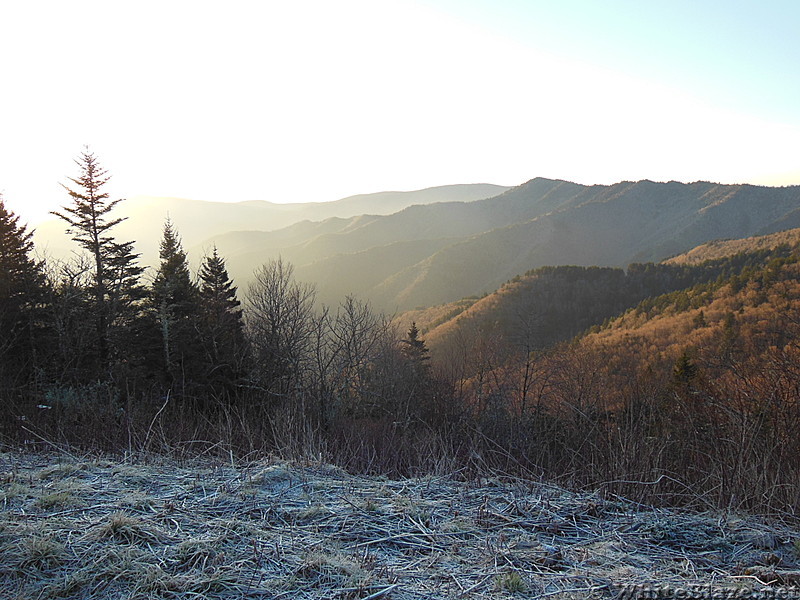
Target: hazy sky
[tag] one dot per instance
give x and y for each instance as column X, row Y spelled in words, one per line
column 316, row 100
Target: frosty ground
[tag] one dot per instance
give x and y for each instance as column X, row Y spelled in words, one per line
column 89, row 527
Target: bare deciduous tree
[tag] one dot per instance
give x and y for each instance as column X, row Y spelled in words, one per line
column 280, row 325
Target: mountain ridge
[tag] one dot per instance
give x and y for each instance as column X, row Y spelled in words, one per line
column 541, row 222
column 199, row 220
column 429, row 254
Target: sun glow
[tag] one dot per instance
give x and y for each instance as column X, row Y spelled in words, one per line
column 315, row 101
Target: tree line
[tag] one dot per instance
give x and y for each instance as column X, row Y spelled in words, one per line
column 97, row 353
column 97, row 336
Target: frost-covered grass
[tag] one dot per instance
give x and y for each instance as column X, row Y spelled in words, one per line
column 152, row 528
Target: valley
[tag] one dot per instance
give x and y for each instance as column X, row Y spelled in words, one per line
column 595, row 335
column 447, row 243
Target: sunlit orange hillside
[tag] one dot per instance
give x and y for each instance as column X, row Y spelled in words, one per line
column 699, row 384
column 429, row 319
column 722, row 248
column 549, row 305
column 752, row 312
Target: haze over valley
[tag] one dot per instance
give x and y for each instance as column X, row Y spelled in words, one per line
column 416, row 249
column 200, row 221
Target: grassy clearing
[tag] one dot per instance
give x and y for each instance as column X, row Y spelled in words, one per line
column 157, row 529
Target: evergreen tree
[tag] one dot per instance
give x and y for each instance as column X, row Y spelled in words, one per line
column 124, row 287
column 175, row 299
column 416, row 374
column 115, row 270
column 415, row 351
column 685, row 370
column 221, row 324
column 126, row 304
column 22, row 286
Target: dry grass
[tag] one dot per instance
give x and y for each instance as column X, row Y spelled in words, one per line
column 157, row 529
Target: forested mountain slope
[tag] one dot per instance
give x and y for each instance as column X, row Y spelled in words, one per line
column 603, row 226
column 754, row 312
column 722, row 248
column 472, row 248
column 429, row 254
column 553, row 304
column 693, row 392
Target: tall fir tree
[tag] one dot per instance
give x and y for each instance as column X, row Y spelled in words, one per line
column 127, row 297
column 22, row 287
column 418, row 383
column 416, row 351
column 115, row 276
column 222, row 329
column 175, row 299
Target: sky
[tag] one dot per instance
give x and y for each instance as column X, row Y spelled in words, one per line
column 317, row 100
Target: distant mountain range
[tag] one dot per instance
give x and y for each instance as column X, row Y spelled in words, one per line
column 432, row 254
column 198, row 220
column 438, row 248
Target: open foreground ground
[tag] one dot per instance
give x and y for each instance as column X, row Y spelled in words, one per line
column 73, row 527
